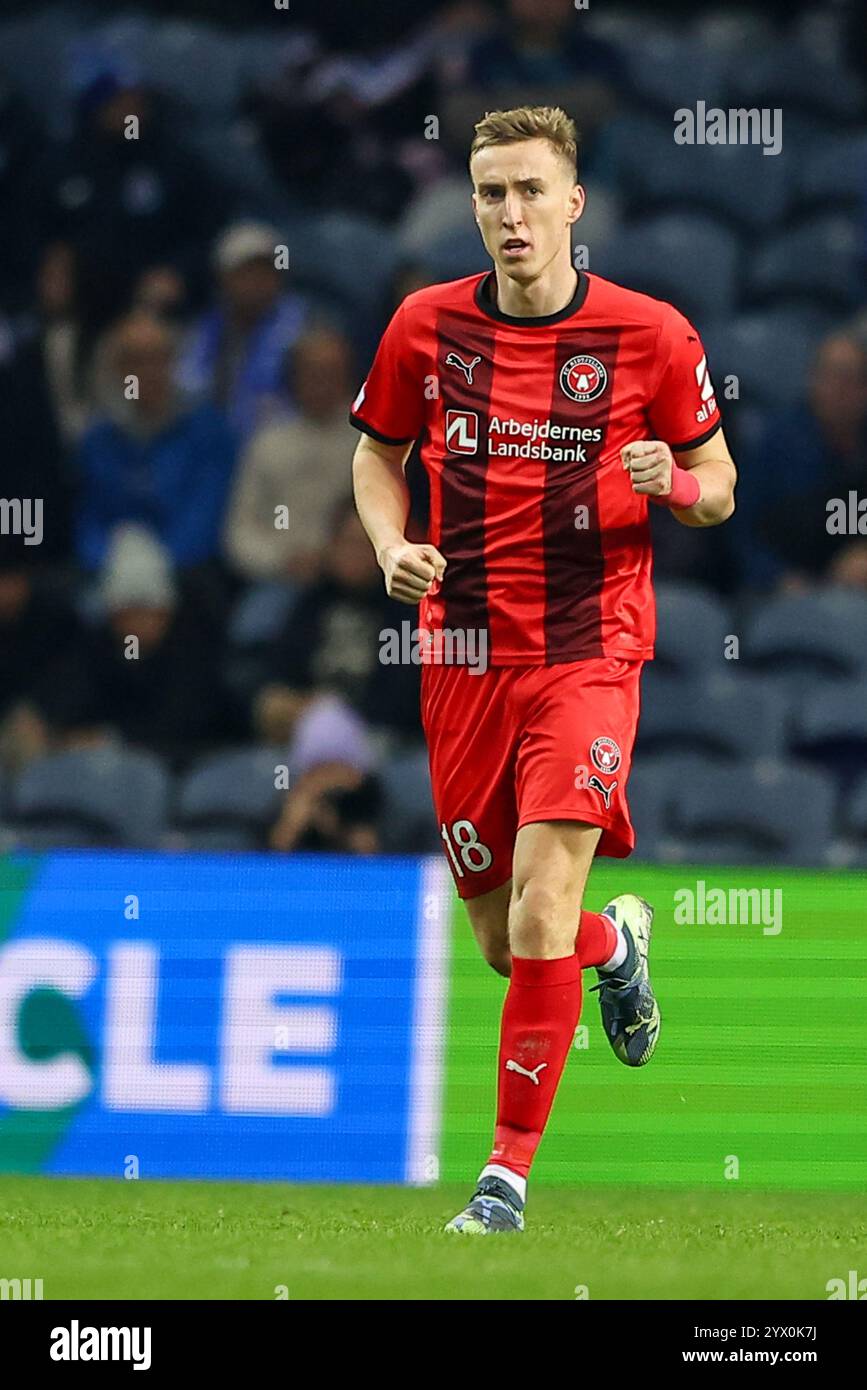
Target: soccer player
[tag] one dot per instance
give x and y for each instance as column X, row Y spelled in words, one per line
column 553, row 405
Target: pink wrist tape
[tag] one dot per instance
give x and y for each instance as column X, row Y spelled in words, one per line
column 685, row 489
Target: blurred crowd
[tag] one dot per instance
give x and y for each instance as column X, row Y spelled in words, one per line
column 201, row 239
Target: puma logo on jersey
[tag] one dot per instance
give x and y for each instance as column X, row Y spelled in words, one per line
column 600, row 787
column 466, row 367
column 533, row 1075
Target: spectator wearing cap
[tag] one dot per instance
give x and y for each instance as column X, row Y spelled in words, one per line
column 147, row 673
column 335, row 798
column 294, row 470
column 150, row 457
column 235, row 353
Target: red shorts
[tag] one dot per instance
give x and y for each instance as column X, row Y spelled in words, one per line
column 517, row 744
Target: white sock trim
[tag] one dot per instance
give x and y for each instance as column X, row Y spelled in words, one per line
column 515, row 1181
column 621, row 950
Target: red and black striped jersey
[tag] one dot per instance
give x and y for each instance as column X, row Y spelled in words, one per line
column 522, row 421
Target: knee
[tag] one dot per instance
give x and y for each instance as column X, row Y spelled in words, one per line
column 534, row 919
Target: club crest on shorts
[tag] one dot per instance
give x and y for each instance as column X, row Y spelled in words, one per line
column 583, row 378
column 605, row 754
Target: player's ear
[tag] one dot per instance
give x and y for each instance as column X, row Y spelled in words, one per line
column 577, row 199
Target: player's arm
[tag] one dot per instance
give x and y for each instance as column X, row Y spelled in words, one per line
column 382, row 500
column 697, row 485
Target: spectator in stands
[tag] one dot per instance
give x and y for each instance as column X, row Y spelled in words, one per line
column 806, row 457
column 331, row 642
column 294, row 470
column 22, row 222
column 38, row 633
column 335, row 798
column 151, row 457
column 148, row 673
column 330, row 121
column 34, row 462
column 126, row 194
column 540, row 51
column 63, row 346
column 234, row 355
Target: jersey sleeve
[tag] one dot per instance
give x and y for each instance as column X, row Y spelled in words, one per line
column 683, row 410
column 390, row 404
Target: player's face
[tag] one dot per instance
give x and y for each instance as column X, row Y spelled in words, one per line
column 525, row 202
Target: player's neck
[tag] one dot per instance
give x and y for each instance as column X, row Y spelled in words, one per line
column 548, row 295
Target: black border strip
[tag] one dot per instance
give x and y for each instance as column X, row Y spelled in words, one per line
column 700, row 439
column 361, row 425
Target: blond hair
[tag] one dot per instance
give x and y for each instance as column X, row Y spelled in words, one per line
column 530, row 123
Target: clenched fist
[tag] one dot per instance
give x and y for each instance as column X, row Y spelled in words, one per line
column 410, row 570
column 650, row 464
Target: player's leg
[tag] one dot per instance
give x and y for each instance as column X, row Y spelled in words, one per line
column 574, row 760
column 540, row 1013
column 472, row 764
column 489, row 918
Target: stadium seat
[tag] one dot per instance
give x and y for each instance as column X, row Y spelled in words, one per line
column 408, row 820
column 769, row 353
column 260, row 613
column 194, row 61
column 745, row 816
column 34, row 53
column 352, row 257
column 92, row 796
column 254, row 625
column 734, row 716
column 834, row 175
column 654, row 785
column 816, row 262
column 736, row 184
column 830, row 728
column 228, row 800
column 668, row 71
column 797, row 79
column 691, row 627
column 851, row 849
column 689, row 258
column 808, row 637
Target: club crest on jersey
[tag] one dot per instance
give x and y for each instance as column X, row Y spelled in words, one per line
column 466, row 367
column 583, row 378
column 462, row 431
column 605, row 754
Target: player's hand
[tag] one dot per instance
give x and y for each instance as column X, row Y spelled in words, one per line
column 411, row 570
column 650, row 465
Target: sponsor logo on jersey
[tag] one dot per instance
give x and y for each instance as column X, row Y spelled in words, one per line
column 599, row 786
column 466, row 367
column 462, row 431
column 605, row 754
column 583, row 378
column 705, row 386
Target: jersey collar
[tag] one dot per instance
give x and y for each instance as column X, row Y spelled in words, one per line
column 488, row 282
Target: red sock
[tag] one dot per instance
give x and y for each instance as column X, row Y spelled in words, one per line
column 540, row 1015
column 597, row 939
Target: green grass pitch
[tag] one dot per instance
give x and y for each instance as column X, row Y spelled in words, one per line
column 158, row 1240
